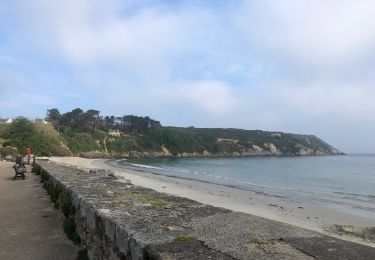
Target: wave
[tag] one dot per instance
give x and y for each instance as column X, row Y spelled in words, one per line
column 327, row 196
column 200, row 176
column 209, row 178
column 356, row 196
column 144, row 166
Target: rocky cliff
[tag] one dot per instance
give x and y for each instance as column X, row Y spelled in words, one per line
column 205, row 142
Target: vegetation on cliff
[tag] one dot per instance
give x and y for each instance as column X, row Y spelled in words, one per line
column 22, row 133
column 86, row 133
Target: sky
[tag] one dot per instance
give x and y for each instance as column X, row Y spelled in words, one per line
column 300, row 66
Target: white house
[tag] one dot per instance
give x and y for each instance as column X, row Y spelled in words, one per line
column 40, row 121
column 276, row 135
column 115, row 133
column 6, row 121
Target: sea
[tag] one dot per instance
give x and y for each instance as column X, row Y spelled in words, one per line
column 345, row 183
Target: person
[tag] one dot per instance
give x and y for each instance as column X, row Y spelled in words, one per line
column 19, row 159
column 19, row 168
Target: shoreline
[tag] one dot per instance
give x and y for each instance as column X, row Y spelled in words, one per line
column 150, row 155
column 320, row 219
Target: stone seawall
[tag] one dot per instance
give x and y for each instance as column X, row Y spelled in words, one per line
column 114, row 219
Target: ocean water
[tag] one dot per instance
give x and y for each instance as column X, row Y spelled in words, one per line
column 346, row 183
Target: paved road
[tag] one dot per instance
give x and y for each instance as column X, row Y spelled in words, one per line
column 30, row 228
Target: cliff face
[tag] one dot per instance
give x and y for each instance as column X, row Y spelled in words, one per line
column 195, row 142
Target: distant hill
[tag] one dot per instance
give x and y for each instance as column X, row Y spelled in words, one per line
column 133, row 137
column 196, row 142
column 231, row 141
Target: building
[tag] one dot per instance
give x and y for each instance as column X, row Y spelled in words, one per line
column 278, row 135
column 40, row 121
column 6, row 121
column 114, row 133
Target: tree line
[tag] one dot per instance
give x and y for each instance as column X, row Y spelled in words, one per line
column 91, row 120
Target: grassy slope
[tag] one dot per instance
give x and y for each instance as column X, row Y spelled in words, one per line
column 56, row 142
column 42, row 138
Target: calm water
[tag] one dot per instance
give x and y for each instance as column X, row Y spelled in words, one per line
column 344, row 182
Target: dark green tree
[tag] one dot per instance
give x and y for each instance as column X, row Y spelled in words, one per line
column 109, row 122
column 73, row 119
column 91, row 120
column 53, row 116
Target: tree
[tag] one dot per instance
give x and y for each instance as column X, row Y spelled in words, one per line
column 73, row 119
column 53, row 116
column 91, row 119
column 22, row 134
column 138, row 124
column 79, row 121
column 109, row 122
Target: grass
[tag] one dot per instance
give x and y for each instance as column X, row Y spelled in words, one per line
column 36, row 169
column 55, row 193
column 70, row 230
column 158, row 202
column 67, row 207
column 185, row 238
column 8, row 151
column 82, row 255
column 257, row 242
column 145, row 198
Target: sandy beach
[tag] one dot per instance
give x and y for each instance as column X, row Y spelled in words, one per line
column 307, row 216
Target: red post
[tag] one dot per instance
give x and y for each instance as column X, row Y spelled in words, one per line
column 28, row 151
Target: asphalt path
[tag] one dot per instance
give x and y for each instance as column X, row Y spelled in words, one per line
column 30, row 227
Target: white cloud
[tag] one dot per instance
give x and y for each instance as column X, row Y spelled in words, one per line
column 253, row 64
column 88, row 33
column 213, row 97
column 312, row 32
column 351, row 100
column 208, row 98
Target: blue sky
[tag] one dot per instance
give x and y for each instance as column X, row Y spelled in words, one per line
column 302, row 66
